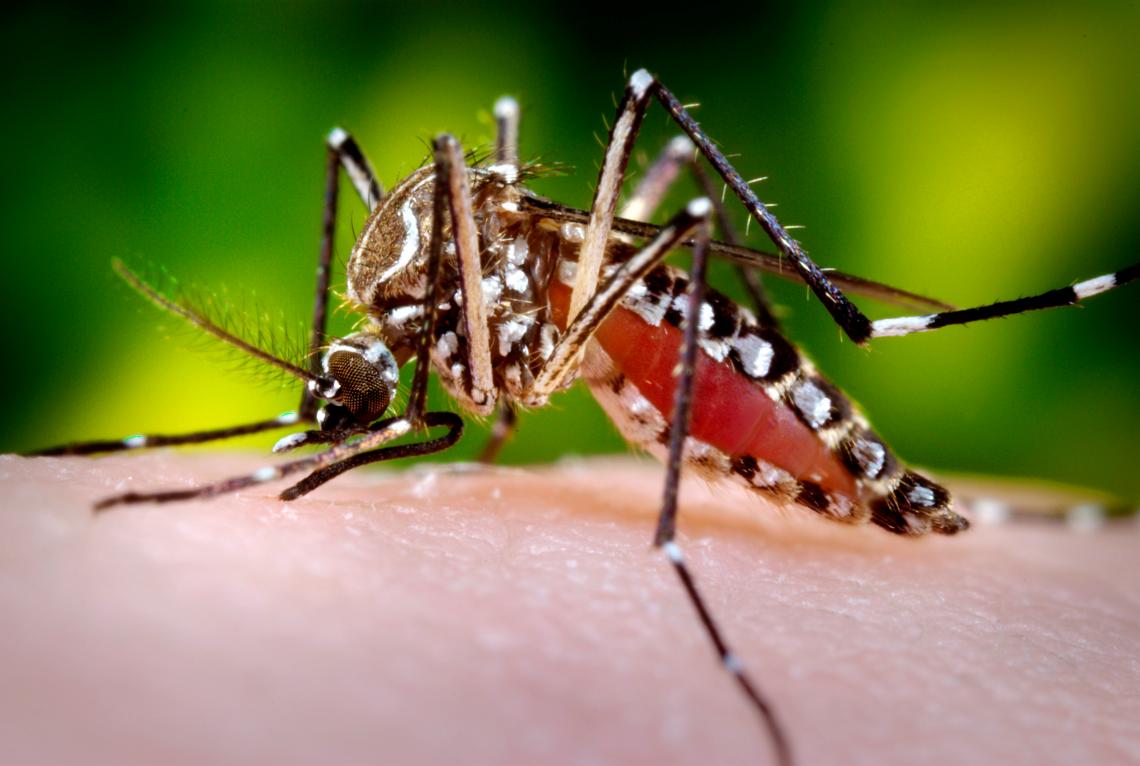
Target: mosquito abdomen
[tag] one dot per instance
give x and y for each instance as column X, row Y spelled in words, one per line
column 761, row 414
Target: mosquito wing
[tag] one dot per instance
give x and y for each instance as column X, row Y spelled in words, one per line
column 771, row 263
column 990, row 500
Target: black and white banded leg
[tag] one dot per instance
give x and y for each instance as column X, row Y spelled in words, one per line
column 465, row 236
column 772, row 263
column 324, row 466
column 506, row 113
column 507, row 132
column 343, row 152
column 749, row 275
column 666, row 523
column 846, row 315
column 152, row 441
column 449, row 420
column 849, row 318
column 346, row 152
column 630, row 112
column 1063, row 296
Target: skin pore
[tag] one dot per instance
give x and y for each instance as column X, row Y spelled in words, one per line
column 509, row 615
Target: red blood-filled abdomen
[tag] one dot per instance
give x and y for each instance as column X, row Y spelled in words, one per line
column 730, row 411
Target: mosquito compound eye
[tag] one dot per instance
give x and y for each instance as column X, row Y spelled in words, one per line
column 366, row 375
column 363, row 392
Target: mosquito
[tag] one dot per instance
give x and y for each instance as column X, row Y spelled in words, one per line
column 510, row 298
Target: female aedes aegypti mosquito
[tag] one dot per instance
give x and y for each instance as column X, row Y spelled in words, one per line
column 510, row 298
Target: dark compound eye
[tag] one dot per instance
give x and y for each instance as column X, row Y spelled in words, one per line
column 363, row 391
column 366, row 374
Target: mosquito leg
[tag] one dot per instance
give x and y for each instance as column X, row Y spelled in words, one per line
column 658, row 179
column 356, row 166
column 342, row 151
column 655, row 184
column 451, row 175
column 450, row 420
column 727, row 658
column 563, row 359
column 151, row 441
column 507, row 136
column 380, row 433
column 749, row 275
column 1062, row 296
column 846, row 315
column 666, row 523
column 501, row 432
column 629, row 114
column 446, row 150
column 309, row 402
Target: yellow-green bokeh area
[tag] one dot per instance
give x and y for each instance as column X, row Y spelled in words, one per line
column 973, row 153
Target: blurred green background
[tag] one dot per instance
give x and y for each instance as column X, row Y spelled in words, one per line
column 972, row 153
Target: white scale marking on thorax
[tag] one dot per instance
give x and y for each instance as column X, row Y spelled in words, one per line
column 492, row 289
column 512, row 331
column 518, row 251
column 411, row 242
column 447, row 345
column 516, row 279
column 411, row 245
column 400, row 315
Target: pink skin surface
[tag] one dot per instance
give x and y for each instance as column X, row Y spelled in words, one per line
column 520, row 616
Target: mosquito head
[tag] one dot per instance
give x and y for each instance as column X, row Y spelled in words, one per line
column 360, row 378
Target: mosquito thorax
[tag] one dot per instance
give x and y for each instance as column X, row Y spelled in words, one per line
column 387, row 278
column 388, row 263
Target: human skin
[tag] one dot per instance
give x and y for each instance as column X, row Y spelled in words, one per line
column 520, row 616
